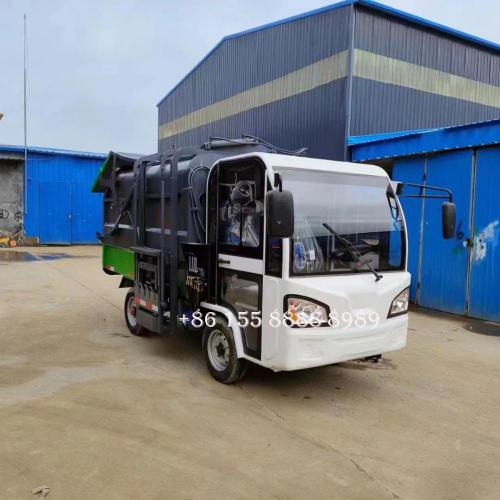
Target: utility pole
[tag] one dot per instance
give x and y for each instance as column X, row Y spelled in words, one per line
column 25, row 173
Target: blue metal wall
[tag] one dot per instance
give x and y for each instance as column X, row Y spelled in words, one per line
column 485, row 259
column 60, row 207
column 438, row 266
column 460, row 275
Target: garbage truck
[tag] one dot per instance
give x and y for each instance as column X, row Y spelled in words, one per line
column 273, row 257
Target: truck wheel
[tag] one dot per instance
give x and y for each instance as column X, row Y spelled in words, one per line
column 130, row 310
column 220, row 354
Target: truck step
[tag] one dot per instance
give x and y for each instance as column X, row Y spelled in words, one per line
column 153, row 252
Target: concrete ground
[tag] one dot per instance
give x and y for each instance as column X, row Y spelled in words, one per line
column 94, row 413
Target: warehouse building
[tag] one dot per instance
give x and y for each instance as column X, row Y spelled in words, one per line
column 461, row 275
column 55, row 205
column 354, row 68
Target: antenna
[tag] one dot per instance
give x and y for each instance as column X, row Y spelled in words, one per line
column 25, row 173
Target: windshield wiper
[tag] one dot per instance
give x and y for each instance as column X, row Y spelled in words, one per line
column 355, row 255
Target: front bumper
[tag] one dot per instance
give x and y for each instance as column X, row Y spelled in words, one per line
column 309, row 347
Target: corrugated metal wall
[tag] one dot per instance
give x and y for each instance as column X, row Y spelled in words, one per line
column 302, row 120
column 60, row 207
column 460, row 275
column 423, row 78
column 297, row 111
column 349, row 69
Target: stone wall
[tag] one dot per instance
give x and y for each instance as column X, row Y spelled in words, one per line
column 11, row 195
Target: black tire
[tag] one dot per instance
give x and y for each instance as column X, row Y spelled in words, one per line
column 220, row 354
column 134, row 329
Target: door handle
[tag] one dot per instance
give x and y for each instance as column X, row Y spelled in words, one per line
column 223, row 261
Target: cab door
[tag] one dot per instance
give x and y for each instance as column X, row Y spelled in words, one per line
column 240, row 245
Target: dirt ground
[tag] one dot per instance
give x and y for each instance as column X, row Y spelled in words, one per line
column 94, row 413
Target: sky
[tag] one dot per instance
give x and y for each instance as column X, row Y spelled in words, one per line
column 97, row 68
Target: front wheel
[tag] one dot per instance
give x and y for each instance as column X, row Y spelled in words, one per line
column 130, row 310
column 220, row 354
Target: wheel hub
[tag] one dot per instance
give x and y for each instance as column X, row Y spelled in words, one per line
column 132, row 312
column 221, row 350
column 218, row 350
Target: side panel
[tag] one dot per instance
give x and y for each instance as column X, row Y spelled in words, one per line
column 444, row 262
column 118, row 260
column 411, row 170
column 485, row 262
column 54, row 212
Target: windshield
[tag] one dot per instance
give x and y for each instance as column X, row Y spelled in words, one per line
column 364, row 216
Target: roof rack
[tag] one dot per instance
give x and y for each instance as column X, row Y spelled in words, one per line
column 250, row 140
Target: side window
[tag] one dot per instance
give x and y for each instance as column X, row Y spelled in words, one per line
column 241, row 208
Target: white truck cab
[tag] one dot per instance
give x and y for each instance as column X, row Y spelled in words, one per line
column 334, row 290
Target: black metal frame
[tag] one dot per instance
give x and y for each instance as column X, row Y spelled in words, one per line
column 163, row 256
column 153, row 257
column 401, row 185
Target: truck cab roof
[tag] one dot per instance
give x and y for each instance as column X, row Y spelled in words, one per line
column 301, row 162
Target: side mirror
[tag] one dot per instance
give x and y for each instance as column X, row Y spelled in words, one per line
column 280, row 214
column 397, row 187
column 448, row 213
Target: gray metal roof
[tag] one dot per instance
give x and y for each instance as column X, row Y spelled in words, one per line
column 51, row 151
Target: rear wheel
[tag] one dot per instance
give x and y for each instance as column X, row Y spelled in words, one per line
column 220, row 354
column 130, row 310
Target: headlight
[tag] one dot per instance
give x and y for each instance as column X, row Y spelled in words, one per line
column 305, row 312
column 400, row 304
